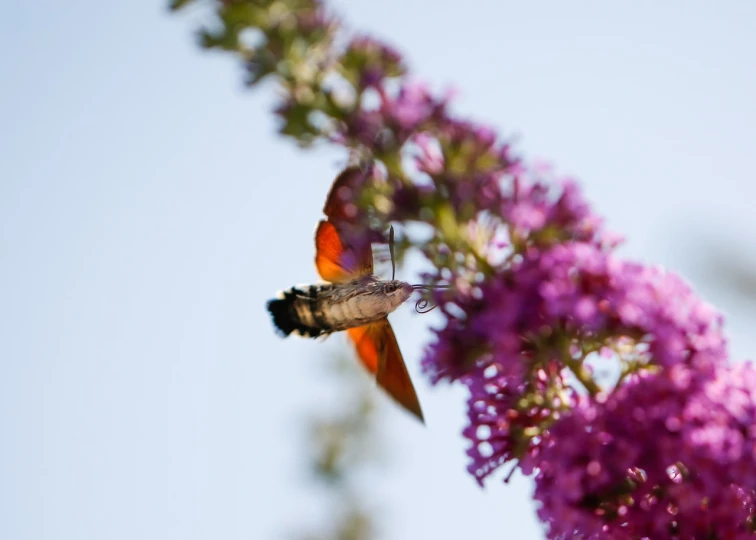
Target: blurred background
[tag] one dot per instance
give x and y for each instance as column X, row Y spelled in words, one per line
column 148, row 211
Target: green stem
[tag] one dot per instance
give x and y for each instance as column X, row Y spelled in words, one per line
column 578, row 369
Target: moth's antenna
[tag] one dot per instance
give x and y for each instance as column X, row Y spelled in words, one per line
column 391, row 251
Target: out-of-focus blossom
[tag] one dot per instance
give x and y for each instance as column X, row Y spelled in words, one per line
column 429, row 158
column 368, row 62
column 399, row 115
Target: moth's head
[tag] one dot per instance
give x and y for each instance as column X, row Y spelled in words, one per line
column 397, row 291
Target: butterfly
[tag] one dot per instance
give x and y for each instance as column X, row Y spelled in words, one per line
column 354, row 299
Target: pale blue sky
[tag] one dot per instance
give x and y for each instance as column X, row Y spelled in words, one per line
column 147, row 211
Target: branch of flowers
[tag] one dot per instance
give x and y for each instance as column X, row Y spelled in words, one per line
column 324, row 87
column 682, row 402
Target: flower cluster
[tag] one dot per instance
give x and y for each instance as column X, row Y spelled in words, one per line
column 574, row 294
column 538, row 304
column 663, row 456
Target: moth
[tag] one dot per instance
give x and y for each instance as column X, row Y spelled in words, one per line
column 354, row 299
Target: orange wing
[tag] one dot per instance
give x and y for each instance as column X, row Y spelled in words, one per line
column 337, row 261
column 379, row 352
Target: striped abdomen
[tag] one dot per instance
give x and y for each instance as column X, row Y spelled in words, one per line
column 322, row 309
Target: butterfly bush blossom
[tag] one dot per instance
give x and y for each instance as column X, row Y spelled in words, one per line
column 538, row 304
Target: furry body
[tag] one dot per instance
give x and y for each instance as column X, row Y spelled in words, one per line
column 315, row 310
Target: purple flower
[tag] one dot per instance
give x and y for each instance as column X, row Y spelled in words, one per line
column 510, row 338
column 579, row 292
column 412, row 106
column 366, row 128
column 429, row 158
column 372, row 60
column 533, row 205
column 477, row 139
column 506, row 416
column 667, row 454
column 399, row 116
column 408, row 199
